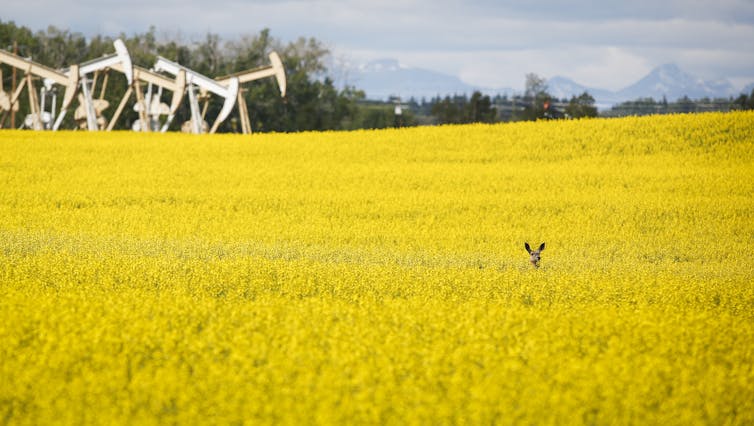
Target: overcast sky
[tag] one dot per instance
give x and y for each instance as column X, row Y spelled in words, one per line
column 600, row 43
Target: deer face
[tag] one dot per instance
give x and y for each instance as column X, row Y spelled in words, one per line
column 534, row 254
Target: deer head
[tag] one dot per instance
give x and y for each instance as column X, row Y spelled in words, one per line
column 534, row 254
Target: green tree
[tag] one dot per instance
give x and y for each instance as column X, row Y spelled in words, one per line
column 744, row 102
column 581, row 106
column 142, row 47
column 449, row 110
column 536, row 97
column 60, row 48
column 480, row 110
column 312, row 102
column 249, row 51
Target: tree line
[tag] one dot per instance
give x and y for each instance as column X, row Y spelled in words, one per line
column 534, row 104
column 647, row 106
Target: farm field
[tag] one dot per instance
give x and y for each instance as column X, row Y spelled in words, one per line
column 380, row 277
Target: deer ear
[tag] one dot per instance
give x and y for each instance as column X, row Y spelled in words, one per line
column 542, row 247
column 526, row 245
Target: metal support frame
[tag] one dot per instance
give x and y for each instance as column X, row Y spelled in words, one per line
column 176, row 85
column 70, row 82
column 93, row 107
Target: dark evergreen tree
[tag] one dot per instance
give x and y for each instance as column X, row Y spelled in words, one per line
column 581, row 106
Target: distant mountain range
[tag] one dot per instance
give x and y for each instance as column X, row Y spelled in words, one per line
column 384, row 78
column 668, row 81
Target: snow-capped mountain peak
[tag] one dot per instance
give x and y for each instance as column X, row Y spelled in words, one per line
column 671, row 82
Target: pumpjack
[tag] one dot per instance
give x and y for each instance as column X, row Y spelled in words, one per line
column 275, row 69
column 38, row 119
column 82, row 80
column 227, row 92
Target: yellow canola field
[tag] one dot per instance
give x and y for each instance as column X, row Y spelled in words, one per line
column 379, row 277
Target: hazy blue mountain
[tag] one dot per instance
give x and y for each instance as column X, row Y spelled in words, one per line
column 564, row 88
column 671, row 82
column 386, row 77
column 667, row 81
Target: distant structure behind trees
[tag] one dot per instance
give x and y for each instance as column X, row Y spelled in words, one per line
column 537, row 104
column 648, row 106
column 452, row 109
column 581, row 106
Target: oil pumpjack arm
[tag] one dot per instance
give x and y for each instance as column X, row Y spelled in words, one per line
column 275, row 69
column 121, row 60
column 228, row 92
column 69, row 81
